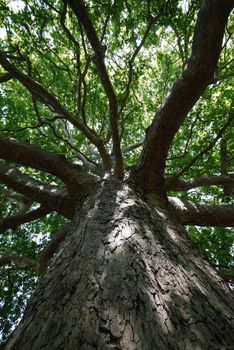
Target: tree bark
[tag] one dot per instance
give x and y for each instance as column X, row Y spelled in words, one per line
column 196, row 76
column 191, row 213
column 127, row 277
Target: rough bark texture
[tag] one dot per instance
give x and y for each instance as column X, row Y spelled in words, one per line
column 190, row 213
column 197, row 75
column 127, row 277
column 53, row 197
column 14, row 221
column 174, row 184
column 34, row 156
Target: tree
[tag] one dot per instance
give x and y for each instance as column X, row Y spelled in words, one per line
column 89, row 147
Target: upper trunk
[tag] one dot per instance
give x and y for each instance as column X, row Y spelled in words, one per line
column 127, row 277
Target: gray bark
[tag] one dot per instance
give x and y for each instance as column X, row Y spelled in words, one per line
column 206, row 48
column 34, row 156
column 127, row 277
column 175, row 184
column 191, row 213
column 53, row 197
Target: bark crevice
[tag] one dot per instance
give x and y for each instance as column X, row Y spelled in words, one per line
column 122, row 280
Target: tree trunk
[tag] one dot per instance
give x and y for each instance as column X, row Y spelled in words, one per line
column 127, row 277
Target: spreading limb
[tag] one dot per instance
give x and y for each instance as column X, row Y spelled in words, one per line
column 6, row 77
column 174, row 184
column 52, row 197
column 13, row 221
column 197, row 75
column 24, row 262
column 47, row 98
column 227, row 274
column 191, row 213
column 81, row 13
column 35, row 157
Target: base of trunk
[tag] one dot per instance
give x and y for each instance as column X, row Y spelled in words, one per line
column 127, row 277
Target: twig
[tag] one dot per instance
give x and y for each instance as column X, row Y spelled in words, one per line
column 208, row 148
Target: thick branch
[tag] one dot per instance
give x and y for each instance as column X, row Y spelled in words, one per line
column 14, row 221
column 227, row 274
column 35, row 157
column 16, row 197
column 52, row 197
column 197, row 75
column 190, row 213
column 185, row 185
column 81, row 13
column 18, row 260
column 51, row 248
column 88, row 164
column 6, row 77
column 49, row 99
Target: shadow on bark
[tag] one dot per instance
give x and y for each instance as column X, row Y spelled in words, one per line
column 126, row 277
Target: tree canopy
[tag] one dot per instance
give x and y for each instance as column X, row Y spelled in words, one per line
column 93, row 84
